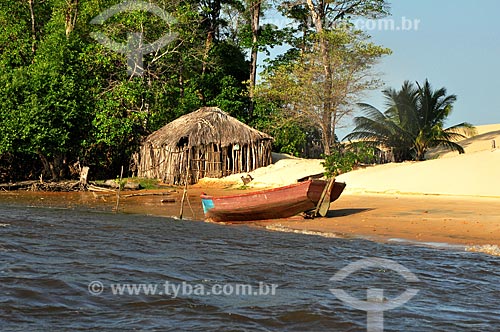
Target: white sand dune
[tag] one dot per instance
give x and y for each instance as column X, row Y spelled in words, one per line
column 475, row 173
column 482, row 141
column 284, row 171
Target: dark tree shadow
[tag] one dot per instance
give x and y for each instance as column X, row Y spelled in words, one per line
column 345, row 212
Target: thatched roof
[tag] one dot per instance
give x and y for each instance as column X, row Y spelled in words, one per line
column 204, row 126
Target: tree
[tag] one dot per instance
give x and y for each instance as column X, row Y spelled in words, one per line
column 255, row 13
column 413, row 122
column 325, row 15
column 244, row 28
column 300, row 86
column 296, row 136
column 44, row 97
column 64, row 97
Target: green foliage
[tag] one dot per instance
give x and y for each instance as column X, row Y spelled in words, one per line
column 223, row 83
column 294, row 136
column 117, row 126
column 65, row 98
column 290, row 139
column 232, row 98
column 45, row 105
column 289, row 136
column 339, row 162
column 365, row 153
column 345, row 159
column 269, row 37
column 301, row 89
column 413, row 122
column 146, row 183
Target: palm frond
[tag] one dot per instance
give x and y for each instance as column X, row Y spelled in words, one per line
column 450, row 136
column 449, row 145
column 370, row 111
column 464, row 128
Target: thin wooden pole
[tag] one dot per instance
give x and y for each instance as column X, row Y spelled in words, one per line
column 184, row 193
column 118, row 192
column 191, row 208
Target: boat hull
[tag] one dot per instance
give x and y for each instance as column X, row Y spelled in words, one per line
column 275, row 203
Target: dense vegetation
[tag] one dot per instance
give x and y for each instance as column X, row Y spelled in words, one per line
column 68, row 100
column 75, row 89
column 65, row 98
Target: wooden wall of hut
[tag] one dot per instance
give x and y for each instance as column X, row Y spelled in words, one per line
column 210, row 160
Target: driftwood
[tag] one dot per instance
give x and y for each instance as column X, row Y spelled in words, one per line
column 37, row 185
column 22, row 185
column 114, row 185
column 56, row 186
column 40, row 185
column 92, row 187
column 83, row 184
column 84, row 173
column 149, row 194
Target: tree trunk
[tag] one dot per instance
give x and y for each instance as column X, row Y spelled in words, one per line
column 420, row 154
column 48, row 167
column 327, row 130
column 317, row 14
column 325, row 137
column 255, row 8
column 213, row 26
column 181, row 79
column 71, row 14
column 55, row 168
column 33, row 26
column 208, row 46
column 84, row 173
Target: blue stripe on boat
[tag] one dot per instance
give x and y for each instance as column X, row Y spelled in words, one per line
column 208, row 204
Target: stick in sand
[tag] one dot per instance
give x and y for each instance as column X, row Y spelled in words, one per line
column 184, row 193
column 118, row 192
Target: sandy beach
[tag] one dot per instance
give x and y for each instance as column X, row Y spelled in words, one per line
column 423, row 219
column 449, row 198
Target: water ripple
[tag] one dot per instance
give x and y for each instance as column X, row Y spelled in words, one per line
column 48, row 257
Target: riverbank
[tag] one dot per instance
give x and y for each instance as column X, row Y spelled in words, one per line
column 414, row 218
column 451, row 199
column 465, row 221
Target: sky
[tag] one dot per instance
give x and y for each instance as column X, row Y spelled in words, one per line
column 453, row 43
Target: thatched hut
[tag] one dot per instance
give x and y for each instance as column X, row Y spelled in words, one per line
column 213, row 143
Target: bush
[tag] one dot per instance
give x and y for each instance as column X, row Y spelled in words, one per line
column 345, row 159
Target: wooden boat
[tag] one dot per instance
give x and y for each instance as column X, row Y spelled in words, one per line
column 282, row 202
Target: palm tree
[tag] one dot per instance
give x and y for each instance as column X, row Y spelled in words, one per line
column 413, row 122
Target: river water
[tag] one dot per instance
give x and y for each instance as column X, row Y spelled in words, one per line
column 62, row 269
